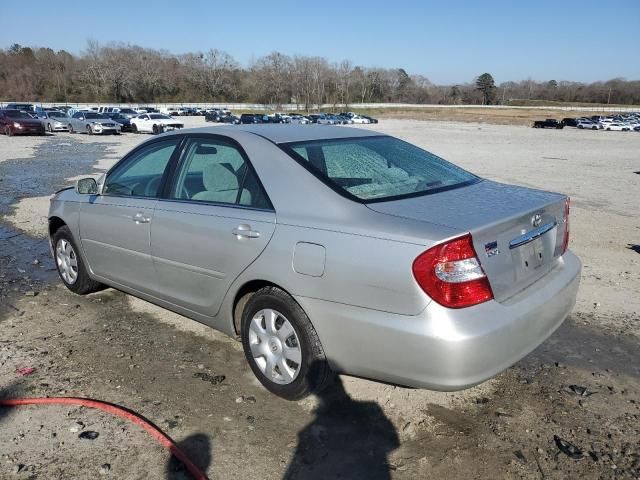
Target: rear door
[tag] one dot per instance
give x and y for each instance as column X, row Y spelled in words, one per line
column 215, row 221
column 115, row 226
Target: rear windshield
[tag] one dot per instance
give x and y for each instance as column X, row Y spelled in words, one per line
column 377, row 168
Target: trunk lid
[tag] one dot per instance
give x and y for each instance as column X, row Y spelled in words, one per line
column 517, row 232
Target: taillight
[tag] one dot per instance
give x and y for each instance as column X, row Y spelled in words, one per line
column 565, row 240
column 451, row 274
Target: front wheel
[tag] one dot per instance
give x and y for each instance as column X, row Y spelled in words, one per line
column 8, row 132
column 70, row 127
column 50, row 128
column 89, row 130
column 134, row 128
column 70, row 265
column 282, row 347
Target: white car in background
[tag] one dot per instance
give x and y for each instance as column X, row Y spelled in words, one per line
column 169, row 110
column 359, row 119
column 618, row 127
column 154, row 123
column 299, row 119
column 587, row 124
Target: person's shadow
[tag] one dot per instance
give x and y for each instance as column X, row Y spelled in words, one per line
column 347, row 439
column 198, row 448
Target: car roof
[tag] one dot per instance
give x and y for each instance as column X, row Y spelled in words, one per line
column 287, row 133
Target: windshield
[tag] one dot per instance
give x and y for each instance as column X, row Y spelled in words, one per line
column 127, row 110
column 159, row 116
column 17, row 114
column 377, row 168
column 56, row 114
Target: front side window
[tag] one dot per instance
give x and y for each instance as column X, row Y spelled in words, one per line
column 377, row 168
column 214, row 170
column 140, row 175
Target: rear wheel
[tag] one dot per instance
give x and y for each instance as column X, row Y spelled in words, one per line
column 70, row 265
column 70, row 127
column 50, row 128
column 89, row 130
column 7, row 131
column 281, row 345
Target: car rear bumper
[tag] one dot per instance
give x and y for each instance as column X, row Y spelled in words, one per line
column 445, row 349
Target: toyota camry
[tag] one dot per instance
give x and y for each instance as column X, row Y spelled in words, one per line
column 326, row 249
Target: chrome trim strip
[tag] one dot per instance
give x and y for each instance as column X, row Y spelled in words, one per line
column 532, row 235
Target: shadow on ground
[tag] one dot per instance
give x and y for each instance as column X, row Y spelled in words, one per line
column 197, row 447
column 345, row 439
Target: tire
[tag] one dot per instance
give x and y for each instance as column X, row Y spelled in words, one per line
column 89, row 130
column 64, row 258
column 70, row 127
column 134, row 128
column 311, row 373
column 8, row 132
column 50, row 128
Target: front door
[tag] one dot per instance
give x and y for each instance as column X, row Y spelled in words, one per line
column 216, row 220
column 115, row 225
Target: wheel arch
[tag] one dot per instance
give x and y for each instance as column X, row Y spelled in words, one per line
column 242, row 296
column 55, row 224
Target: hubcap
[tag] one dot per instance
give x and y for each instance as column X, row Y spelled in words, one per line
column 275, row 346
column 67, row 261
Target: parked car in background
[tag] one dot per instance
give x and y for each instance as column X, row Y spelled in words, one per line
column 345, row 120
column 17, row 122
column 360, row 119
column 619, row 127
column 93, row 123
column 570, row 122
column 371, row 119
column 63, row 108
column 123, row 120
column 127, row 112
column 299, row 119
column 173, row 111
column 54, row 121
column 249, row 118
column 23, row 107
column 279, row 118
column 231, row 119
column 154, row 123
column 548, row 123
column 582, row 124
column 214, row 115
column 445, row 279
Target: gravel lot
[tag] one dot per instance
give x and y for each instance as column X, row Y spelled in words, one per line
column 113, row 347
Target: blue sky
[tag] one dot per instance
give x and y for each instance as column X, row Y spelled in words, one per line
column 448, row 42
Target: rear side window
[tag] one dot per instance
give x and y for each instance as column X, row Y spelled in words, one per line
column 214, row 170
column 377, row 168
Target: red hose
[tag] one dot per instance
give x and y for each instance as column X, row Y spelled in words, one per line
column 154, row 431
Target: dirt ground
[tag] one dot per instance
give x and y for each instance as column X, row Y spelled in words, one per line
column 500, row 116
column 582, row 386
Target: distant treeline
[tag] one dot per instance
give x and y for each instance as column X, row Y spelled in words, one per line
column 132, row 74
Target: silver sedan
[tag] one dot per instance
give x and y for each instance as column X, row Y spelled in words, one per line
column 92, row 123
column 326, row 249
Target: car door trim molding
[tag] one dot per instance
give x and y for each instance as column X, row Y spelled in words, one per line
column 191, row 268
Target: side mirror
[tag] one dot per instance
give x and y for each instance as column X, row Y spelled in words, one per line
column 87, row 186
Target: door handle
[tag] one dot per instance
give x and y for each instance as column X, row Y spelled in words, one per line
column 244, row 231
column 140, row 218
